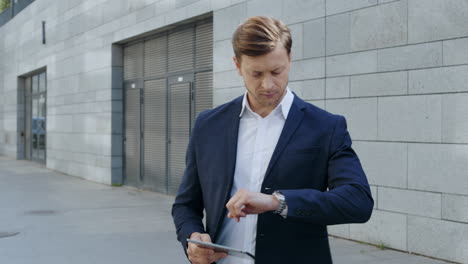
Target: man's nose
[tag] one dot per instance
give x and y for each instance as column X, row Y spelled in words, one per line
column 267, row 83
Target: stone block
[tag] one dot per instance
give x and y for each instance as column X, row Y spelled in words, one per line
column 439, row 80
column 352, row 63
column 219, row 4
column 222, row 56
column 104, row 123
column 197, row 8
column 295, row 11
column 338, row 34
column 221, row 96
column 454, row 114
column 99, row 79
column 225, row 21
column 340, row 6
column 297, row 44
column 374, row 193
column 410, row 202
column 455, row 51
column 410, row 118
column 361, row 116
column 317, row 103
column 337, row 87
column 438, row 238
column 309, row 89
column 182, row 3
column 438, row 168
column 379, row 26
column 410, row 57
column 386, row 1
column 379, row 84
column 385, row 163
column 85, row 123
column 269, row 8
column 60, row 123
column 383, row 228
column 314, row 38
column 307, row 69
column 430, row 20
column 455, row 207
column 227, row 79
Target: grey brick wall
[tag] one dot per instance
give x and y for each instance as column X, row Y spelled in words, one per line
column 396, row 69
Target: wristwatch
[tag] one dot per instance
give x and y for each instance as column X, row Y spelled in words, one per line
column 282, row 202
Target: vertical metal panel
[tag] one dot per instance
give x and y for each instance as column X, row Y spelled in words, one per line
column 155, row 106
column 156, row 56
column 27, row 119
column 42, row 82
column 167, row 113
column 41, row 127
column 204, row 45
column 132, row 136
column 181, row 48
column 203, row 92
column 133, row 61
column 35, row 83
column 35, row 134
column 179, row 127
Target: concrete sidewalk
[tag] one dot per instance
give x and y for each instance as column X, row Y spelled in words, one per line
column 63, row 219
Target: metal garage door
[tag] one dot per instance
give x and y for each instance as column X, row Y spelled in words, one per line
column 168, row 82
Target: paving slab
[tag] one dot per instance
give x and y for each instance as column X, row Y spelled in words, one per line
column 52, row 218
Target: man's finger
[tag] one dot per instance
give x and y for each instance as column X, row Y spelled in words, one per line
column 239, row 205
column 217, row 256
column 205, row 238
column 233, row 200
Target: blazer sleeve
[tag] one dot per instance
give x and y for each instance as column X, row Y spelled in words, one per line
column 348, row 199
column 187, row 210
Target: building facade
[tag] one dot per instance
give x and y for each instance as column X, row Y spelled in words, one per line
column 107, row 90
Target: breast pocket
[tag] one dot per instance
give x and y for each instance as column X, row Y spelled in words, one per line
column 309, row 153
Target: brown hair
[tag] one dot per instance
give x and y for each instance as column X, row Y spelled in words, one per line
column 260, row 35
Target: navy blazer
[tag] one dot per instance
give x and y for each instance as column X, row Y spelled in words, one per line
column 313, row 165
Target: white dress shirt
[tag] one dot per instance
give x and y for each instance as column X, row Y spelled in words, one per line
column 257, row 140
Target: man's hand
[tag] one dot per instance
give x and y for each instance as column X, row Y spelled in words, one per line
column 246, row 202
column 199, row 255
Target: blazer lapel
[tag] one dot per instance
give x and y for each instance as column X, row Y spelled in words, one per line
column 295, row 116
column 231, row 131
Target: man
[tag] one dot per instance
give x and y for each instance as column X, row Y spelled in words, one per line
column 270, row 170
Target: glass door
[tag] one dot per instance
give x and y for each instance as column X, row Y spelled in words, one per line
column 35, row 100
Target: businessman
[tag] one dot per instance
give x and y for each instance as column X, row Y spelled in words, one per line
column 270, row 170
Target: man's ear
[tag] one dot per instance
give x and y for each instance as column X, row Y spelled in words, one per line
column 238, row 66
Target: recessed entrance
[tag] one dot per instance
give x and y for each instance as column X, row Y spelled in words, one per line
column 35, row 117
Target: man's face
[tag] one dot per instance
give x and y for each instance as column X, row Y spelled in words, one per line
column 265, row 78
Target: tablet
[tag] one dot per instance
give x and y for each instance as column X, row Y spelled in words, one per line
column 220, row 248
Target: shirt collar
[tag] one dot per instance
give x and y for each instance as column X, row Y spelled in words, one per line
column 284, row 105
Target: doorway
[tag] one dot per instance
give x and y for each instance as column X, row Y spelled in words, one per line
column 167, row 82
column 35, row 117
